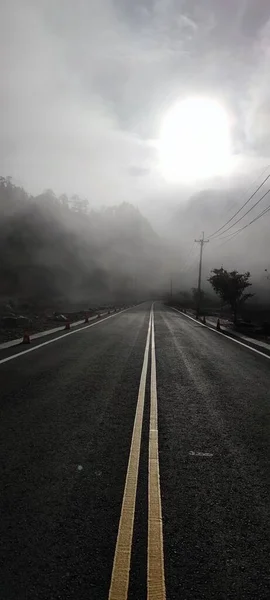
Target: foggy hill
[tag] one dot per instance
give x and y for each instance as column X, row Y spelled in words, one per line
column 207, row 211
column 56, row 249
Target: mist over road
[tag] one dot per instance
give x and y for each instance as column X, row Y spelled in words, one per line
column 78, row 415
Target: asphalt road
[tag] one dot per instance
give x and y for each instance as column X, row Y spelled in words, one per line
column 66, row 423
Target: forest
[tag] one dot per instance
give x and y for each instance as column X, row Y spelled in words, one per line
column 59, row 251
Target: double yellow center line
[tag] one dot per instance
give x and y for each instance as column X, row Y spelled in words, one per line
column 122, row 556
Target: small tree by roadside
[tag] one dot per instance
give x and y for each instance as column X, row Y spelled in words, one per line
column 230, row 286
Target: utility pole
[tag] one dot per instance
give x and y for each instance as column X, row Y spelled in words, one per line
column 171, row 289
column 202, row 241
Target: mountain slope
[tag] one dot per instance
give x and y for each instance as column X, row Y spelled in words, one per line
column 52, row 251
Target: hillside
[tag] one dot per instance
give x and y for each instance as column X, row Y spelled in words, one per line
column 56, row 250
column 207, row 211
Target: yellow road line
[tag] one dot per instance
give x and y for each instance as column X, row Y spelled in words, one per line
column 121, row 564
column 155, row 559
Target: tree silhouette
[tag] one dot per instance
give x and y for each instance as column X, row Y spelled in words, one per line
column 230, row 286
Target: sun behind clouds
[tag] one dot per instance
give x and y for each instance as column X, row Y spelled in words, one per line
column 195, row 141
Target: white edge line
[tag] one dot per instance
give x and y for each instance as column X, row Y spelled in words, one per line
column 60, row 337
column 45, row 333
column 227, row 337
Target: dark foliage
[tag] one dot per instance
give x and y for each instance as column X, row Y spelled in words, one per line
column 230, row 286
column 58, row 249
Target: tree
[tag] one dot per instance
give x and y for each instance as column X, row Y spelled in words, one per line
column 230, row 286
column 79, row 205
column 63, row 199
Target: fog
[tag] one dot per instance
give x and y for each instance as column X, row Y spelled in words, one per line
column 57, row 251
column 83, row 91
column 210, row 210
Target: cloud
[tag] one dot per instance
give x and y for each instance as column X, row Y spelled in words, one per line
column 257, row 110
column 59, row 130
column 85, row 87
column 138, row 171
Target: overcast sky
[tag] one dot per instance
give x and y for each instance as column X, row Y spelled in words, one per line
column 85, row 85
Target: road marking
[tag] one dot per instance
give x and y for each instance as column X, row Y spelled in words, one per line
column 121, row 564
column 155, row 558
column 227, row 337
column 208, row 454
column 60, row 337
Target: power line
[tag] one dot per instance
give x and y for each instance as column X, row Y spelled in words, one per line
column 187, row 257
column 266, row 210
column 246, row 213
column 239, row 210
column 227, row 238
column 188, row 267
column 222, row 244
column 246, row 190
column 232, row 235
